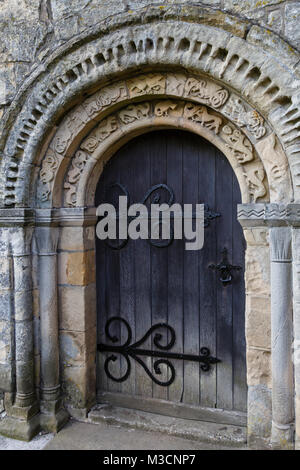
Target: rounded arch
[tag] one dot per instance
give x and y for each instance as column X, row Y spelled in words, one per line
column 94, row 129
column 158, row 42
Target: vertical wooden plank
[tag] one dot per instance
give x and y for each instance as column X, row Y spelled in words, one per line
column 207, row 256
column 112, row 293
column 191, row 281
column 142, row 263
column 224, row 293
column 239, row 340
column 101, row 377
column 126, row 164
column 159, row 258
column 175, row 145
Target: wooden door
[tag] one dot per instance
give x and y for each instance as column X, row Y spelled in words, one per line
column 144, row 285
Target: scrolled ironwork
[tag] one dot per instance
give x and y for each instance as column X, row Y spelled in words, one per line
column 119, row 244
column 163, row 353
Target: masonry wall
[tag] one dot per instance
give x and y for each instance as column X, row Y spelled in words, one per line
column 32, row 29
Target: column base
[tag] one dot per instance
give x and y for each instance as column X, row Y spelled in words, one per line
column 53, row 416
column 16, row 428
column 282, row 437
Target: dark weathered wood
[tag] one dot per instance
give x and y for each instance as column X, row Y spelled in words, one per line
column 178, row 410
column 175, row 266
column 191, row 316
column 207, row 284
column 127, row 272
column 142, row 263
column 238, row 307
column 146, row 284
column 159, row 256
column 224, row 294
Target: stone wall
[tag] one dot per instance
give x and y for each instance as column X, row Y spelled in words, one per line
column 30, row 29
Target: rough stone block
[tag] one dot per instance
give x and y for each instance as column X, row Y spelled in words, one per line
column 273, row 44
column 26, row 371
column 77, row 268
column 79, row 385
column 7, row 377
column 257, row 273
column 6, row 333
column 292, row 19
column 258, row 367
column 76, row 346
column 245, row 6
column 24, row 340
column 76, row 238
column 77, row 307
column 97, row 12
column 275, row 20
column 258, row 322
column 23, row 305
column 20, row 429
column 259, row 416
column 6, row 305
column 22, row 273
column 7, row 83
column 5, row 272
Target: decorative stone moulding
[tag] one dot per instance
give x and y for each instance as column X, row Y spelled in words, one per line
column 205, row 108
column 114, row 130
column 102, row 55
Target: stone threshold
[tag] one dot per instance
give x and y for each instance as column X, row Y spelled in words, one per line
column 201, row 431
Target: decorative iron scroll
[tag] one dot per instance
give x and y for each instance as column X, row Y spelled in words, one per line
column 225, row 268
column 119, row 244
column 128, row 350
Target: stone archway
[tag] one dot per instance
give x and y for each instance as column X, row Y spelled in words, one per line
column 237, row 98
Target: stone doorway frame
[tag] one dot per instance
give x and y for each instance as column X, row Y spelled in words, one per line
column 67, row 120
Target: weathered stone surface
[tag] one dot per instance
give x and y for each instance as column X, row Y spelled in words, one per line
column 77, row 307
column 74, row 238
column 258, row 367
column 292, row 19
column 6, row 331
column 79, row 384
column 258, row 322
column 258, row 35
column 275, row 20
column 76, row 347
column 76, row 268
column 259, row 416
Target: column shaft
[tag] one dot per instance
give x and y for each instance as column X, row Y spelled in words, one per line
column 53, row 416
column 282, row 337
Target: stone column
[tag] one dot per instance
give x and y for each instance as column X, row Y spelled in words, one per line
column 22, row 419
column 53, row 416
column 282, row 338
column 296, row 307
column 278, row 218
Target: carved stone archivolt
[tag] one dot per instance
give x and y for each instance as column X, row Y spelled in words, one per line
column 180, row 114
column 174, row 100
column 228, row 59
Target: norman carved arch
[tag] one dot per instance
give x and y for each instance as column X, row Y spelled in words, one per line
column 100, row 57
column 76, row 154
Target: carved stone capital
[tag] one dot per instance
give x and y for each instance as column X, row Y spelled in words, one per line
column 76, row 216
column 281, row 244
column 46, row 238
column 269, row 214
column 18, row 217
